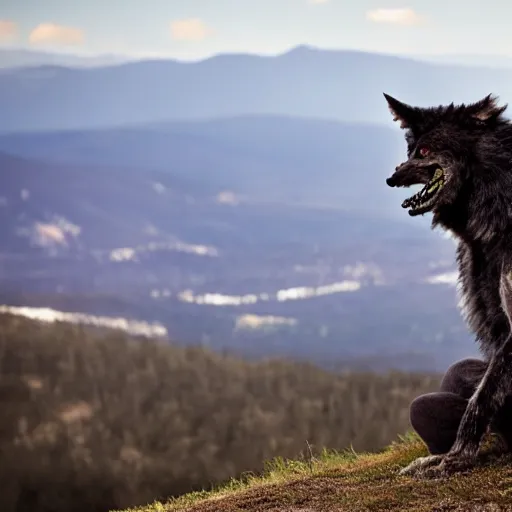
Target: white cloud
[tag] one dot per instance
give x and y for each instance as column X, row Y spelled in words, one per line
column 50, row 33
column 318, row 2
column 403, row 16
column 191, row 29
column 8, row 30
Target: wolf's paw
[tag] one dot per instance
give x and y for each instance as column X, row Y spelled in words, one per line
column 451, row 464
column 438, row 466
column 419, row 466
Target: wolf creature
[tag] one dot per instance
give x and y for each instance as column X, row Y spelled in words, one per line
column 462, row 154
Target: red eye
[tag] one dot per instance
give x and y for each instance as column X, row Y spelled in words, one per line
column 424, row 151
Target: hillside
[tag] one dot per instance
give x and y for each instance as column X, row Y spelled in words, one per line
column 94, row 421
column 290, row 160
column 341, row 85
column 351, row 482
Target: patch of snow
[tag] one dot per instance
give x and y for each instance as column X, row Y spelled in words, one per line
column 257, row 321
column 132, row 253
column 449, row 278
column 50, row 315
column 57, row 232
column 159, row 188
column 227, row 197
column 303, row 292
column 123, row 254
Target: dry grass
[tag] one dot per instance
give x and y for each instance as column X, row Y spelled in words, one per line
column 355, row 483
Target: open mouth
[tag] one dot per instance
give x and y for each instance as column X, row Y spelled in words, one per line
column 425, row 199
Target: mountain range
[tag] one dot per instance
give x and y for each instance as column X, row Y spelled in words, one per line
column 16, row 57
column 240, row 201
column 304, row 82
column 24, row 58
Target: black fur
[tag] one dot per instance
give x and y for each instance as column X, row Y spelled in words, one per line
column 472, row 144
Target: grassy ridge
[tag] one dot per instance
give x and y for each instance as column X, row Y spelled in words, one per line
column 350, row 482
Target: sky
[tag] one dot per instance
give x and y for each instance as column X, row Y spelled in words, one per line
column 195, row 29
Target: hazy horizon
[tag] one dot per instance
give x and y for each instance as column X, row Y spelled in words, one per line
column 196, row 29
column 471, row 58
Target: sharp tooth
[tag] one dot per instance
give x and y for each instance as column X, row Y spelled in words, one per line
column 438, row 174
column 433, row 187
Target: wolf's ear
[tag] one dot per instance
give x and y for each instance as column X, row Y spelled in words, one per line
column 486, row 109
column 406, row 114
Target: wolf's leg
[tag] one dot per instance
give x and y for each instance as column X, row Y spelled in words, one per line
column 436, row 417
column 462, row 378
column 489, row 397
column 502, row 423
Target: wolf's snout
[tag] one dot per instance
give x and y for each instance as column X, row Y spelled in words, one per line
column 391, row 181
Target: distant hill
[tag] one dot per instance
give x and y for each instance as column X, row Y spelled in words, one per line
column 35, row 193
column 19, row 57
column 327, row 164
column 341, row 85
column 487, row 61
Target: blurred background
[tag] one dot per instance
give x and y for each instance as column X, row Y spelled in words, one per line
column 201, row 266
